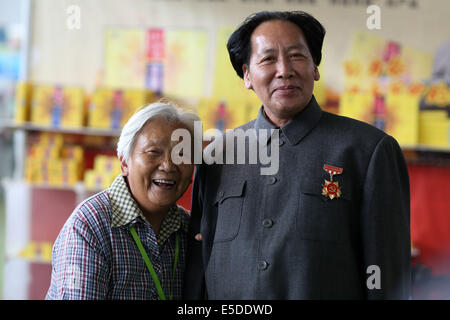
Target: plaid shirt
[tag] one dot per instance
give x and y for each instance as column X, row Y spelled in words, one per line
column 95, row 256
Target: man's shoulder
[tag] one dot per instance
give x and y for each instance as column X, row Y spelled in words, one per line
column 220, row 145
column 348, row 127
column 246, row 126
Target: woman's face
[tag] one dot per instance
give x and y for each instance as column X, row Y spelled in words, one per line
column 156, row 183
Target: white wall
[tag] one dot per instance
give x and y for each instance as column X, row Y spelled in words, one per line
column 75, row 57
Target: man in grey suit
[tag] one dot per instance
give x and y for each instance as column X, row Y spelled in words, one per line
column 333, row 221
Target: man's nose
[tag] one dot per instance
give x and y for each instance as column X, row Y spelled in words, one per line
column 284, row 68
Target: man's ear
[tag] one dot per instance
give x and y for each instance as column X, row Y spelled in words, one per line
column 247, row 81
column 123, row 167
column 316, row 73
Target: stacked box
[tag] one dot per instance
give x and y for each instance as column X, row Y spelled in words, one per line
column 50, row 162
column 22, row 102
column 58, row 106
column 434, row 117
column 111, row 109
column 403, row 114
column 42, row 105
column 106, row 169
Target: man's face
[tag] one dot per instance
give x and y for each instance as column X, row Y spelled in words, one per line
column 281, row 70
column 156, row 183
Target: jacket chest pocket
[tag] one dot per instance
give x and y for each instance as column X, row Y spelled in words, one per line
column 229, row 202
column 324, row 219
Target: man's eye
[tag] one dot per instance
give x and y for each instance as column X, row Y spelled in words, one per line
column 270, row 58
column 298, row 55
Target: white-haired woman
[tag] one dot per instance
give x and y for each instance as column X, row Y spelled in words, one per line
column 128, row 241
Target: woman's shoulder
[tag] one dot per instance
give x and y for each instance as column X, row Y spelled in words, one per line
column 94, row 211
column 185, row 216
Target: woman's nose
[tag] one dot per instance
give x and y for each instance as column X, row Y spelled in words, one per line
column 166, row 164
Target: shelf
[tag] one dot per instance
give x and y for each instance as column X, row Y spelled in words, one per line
column 30, row 126
column 79, row 187
column 80, row 190
column 35, row 259
column 426, row 148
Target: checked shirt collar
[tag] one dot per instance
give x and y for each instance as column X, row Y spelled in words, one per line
column 125, row 210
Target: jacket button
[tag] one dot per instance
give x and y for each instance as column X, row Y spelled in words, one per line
column 271, row 180
column 262, row 265
column 221, row 194
column 267, row 223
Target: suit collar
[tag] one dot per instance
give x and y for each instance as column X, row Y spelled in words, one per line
column 298, row 127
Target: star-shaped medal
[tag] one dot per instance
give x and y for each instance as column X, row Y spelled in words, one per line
column 331, row 189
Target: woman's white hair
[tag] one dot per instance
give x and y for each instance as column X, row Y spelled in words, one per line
column 164, row 109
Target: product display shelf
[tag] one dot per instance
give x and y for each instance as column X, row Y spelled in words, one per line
column 30, row 126
column 35, row 212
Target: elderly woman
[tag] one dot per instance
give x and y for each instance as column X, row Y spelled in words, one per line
column 128, row 241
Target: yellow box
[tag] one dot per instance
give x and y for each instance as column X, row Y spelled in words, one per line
column 100, row 108
column 55, row 172
column 134, row 99
column 434, row 128
column 111, row 109
column 357, row 105
column 32, row 167
column 46, row 251
column 93, row 180
column 74, row 108
column 42, row 173
column 22, row 101
column 29, row 252
column 106, row 164
column 58, row 107
column 42, row 105
column 73, row 152
column 70, row 172
column 50, row 139
column 403, row 117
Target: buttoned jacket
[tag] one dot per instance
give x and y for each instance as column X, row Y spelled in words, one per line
column 279, row 237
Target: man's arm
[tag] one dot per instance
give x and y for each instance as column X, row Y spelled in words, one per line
column 79, row 268
column 194, row 279
column 385, row 223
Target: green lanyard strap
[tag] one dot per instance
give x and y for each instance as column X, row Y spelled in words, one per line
column 150, row 266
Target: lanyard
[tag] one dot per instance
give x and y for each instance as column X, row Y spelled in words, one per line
column 150, row 266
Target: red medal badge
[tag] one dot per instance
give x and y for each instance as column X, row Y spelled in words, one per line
column 331, row 188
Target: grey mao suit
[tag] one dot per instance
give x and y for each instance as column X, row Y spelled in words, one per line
column 278, row 237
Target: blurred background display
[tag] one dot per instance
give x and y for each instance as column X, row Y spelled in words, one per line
column 73, row 72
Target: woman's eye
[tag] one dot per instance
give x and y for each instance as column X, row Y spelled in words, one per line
column 154, row 152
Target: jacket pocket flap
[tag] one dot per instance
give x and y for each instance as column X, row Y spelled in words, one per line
column 232, row 190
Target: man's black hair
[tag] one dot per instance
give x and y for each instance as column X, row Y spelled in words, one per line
column 239, row 45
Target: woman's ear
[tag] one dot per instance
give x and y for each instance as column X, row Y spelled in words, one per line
column 123, row 167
